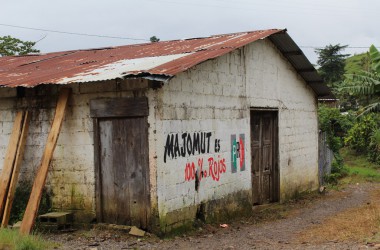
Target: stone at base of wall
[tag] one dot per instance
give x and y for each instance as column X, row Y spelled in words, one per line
column 83, row 216
column 231, row 206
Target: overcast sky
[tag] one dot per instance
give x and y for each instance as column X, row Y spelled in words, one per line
column 309, row 23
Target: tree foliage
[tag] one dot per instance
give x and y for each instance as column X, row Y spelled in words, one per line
column 10, row 46
column 366, row 83
column 154, row 39
column 364, row 136
column 335, row 125
column 331, row 62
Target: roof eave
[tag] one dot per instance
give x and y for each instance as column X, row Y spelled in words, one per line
column 301, row 64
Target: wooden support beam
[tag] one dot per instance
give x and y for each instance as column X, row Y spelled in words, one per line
column 10, row 156
column 16, row 170
column 39, row 183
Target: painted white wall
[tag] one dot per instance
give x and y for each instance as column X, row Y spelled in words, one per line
column 216, row 96
column 273, row 82
column 71, row 177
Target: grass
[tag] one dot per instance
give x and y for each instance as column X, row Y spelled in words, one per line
column 359, row 168
column 356, row 63
column 12, row 240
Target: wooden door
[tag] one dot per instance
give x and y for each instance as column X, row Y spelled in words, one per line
column 121, row 155
column 265, row 181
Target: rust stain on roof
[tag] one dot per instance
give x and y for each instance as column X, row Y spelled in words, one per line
column 166, row 58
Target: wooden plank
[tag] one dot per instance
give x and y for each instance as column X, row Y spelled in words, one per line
column 10, row 156
column 119, row 107
column 120, row 166
column 39, row 183
column 98, row 183
column 256, row 151
column 16, row 170
column 144, row 163
column 108, row 191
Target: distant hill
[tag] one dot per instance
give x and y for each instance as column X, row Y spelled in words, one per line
column 357, row 63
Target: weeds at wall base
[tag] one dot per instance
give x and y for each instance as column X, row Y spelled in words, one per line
column 11, row 239
column 21, row 199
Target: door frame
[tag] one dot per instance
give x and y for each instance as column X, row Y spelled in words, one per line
column 117, row 108
column 276, row 155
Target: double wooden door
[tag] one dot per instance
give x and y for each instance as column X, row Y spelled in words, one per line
column 264, row 145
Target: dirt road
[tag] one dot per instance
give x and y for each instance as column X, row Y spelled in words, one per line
column 345, row 219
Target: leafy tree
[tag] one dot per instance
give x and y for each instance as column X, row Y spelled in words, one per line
column 366, row 83
column 154, row 39
column 331, row 62
column 10, row 46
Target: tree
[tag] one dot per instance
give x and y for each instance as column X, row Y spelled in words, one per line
column 332, row 63
column 10, row 46
column 366, row 83
column 154, row 39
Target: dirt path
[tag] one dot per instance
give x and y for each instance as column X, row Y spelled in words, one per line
column 302, row 225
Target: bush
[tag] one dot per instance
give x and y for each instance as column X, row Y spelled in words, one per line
column 336, row 125
column 359, row 136
column 374, row 147
column 338, row 170
column 332, row 120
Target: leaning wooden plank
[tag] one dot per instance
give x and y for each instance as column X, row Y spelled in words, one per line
column 10, row 156
column 39, row 183
column 16, row 170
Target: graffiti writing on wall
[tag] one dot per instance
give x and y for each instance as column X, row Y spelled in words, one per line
column 237, row 153
column 187, row 144
column 197, row 143
column 213, row 168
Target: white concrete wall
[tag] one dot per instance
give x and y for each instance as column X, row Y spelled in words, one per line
column 273, row 82
column 71, row 176
column 216, row 96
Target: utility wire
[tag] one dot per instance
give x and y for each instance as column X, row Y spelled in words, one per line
column 348, row 47
column 140, row 39
column 73, row 33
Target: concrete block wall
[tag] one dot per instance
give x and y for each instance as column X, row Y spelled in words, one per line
column 210, row 100
column 272, row 82
column 71, row 177
column 216, row 97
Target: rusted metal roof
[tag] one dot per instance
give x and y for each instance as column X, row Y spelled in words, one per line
column 160, row 60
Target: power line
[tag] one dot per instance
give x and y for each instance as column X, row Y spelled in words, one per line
column 139, row 39
column 348, row 47
column 73, row 33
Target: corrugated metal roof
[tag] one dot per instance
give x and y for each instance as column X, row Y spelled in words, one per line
column 162, row 59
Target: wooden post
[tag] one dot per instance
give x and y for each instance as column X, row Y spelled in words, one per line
column 39, row 183
column 16, row 170
column 10, row 156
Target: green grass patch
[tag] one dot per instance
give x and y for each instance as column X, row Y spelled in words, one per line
column 357, row 63
column 12, row 239
column 367, row 174
column 359, row 168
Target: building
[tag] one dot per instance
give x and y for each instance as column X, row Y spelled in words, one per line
column 159, row 134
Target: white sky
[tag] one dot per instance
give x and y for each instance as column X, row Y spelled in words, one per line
column 309, row 23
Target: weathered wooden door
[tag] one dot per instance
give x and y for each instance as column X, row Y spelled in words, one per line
column 264, row 144
column 122, row 166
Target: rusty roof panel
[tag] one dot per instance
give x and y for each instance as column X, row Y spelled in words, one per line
column 172, row 57
column 161, row 59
